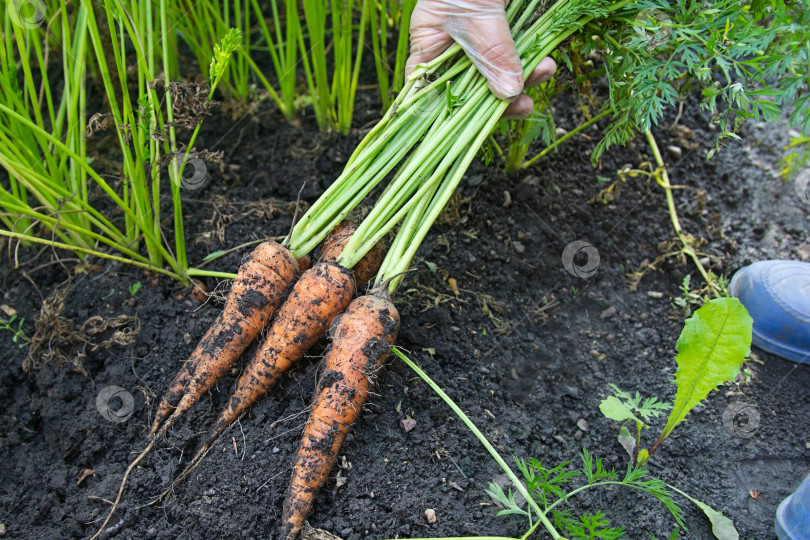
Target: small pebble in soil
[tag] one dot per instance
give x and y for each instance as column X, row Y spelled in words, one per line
column 655, row 294
column 407, row 424
column 594, row 353
column 430, row 516
column 583, row 424
column 276, row 449
column 609, row 312
column 675, row 151
column 519, row 247
column 475, row 180
column 610, row 337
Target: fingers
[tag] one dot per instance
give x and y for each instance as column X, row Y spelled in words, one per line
column 543, row 72
column 523, row 106
column 428, row 39
column 481, row 29
column 427, row 43
column 519, row 109
column 488, row 42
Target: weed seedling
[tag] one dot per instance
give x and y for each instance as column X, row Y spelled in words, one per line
column 714, row 343
column 134, row 288
column 20, row 338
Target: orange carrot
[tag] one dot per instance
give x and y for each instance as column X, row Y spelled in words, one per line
column 304, row 263
column 363, row 339
column 260, row 285
column 320, row 295
column 333, row 246
column 259, row 288
column 298, row 325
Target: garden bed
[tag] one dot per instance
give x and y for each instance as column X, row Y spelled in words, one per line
column 524, row 347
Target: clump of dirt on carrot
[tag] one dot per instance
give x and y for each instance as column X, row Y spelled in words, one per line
column 363, row 338
column 262, row 283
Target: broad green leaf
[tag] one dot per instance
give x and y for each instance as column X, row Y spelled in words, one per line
column 722, row 527
column 713, row 345
column 615, row 409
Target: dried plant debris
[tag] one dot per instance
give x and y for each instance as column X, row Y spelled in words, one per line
column 56, row 336
column 226, row 212
column 190, row 103
column 97, row 122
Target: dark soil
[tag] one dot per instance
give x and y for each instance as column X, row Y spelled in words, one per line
column 525, row 348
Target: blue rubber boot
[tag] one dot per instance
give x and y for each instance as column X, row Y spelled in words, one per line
column 777, row 295
column 793, row 514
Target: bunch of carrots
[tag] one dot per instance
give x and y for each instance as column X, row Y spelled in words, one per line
column 432, row 132
column 295, row 307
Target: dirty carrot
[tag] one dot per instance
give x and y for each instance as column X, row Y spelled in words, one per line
column 258, row 290
column 321, row 294
column 333, row 246
column 260, row 285
column 304, row 263
column 363, row 338
column 302, row 320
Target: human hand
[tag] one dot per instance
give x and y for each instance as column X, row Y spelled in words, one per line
column 481, row 29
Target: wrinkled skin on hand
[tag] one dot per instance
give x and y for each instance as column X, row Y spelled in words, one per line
column 481, row 29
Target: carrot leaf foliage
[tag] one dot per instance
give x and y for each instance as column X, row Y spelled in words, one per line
column 551, row 487
column 746, row 60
